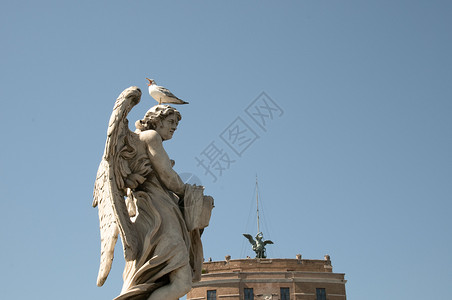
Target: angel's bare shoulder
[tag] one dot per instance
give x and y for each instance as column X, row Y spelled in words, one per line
column 153, row 142
column 150, row 137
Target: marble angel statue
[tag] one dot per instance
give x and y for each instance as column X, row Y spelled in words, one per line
column 142, row 199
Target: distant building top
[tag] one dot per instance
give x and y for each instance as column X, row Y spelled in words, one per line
column 269, row 279
column 274, row 264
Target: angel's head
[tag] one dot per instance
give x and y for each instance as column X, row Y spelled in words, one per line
column 161, row 118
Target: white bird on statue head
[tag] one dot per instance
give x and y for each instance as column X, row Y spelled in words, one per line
column 162, row 95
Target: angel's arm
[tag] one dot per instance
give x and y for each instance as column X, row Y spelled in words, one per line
column 161, row 162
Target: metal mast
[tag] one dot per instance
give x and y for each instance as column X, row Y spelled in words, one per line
column 257, row 206
column 258, row 244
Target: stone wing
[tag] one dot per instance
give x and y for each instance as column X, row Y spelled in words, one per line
column 114, row 177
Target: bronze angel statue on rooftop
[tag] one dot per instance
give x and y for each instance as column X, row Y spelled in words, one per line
column 258, row 245
column 141, row 198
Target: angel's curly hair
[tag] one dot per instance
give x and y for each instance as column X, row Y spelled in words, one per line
column 154, row 115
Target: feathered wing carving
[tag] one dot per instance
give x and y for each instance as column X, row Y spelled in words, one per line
column 250, row 239
column 114, row 177
column 268, row 242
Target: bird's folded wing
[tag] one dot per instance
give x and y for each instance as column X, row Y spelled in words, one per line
column 166, row 92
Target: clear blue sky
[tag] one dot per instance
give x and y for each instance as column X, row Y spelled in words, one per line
column 355, row 164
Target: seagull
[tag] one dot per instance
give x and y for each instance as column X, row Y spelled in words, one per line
column 162, row 95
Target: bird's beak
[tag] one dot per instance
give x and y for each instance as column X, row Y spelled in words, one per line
column 150, row 81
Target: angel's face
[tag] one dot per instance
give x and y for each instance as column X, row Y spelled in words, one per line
column 167, row 126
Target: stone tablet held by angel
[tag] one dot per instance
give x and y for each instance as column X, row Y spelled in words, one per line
column 142, row 199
